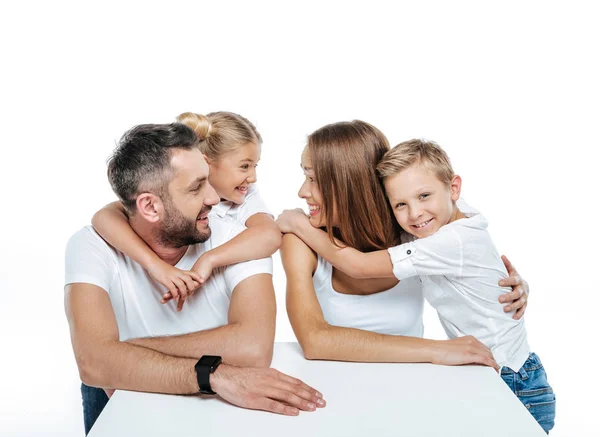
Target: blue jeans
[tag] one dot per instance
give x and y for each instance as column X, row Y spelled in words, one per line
column 94, row 400
column 531, row 387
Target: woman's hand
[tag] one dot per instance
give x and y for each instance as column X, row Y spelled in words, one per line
column 463, row 350
column 180, row 283
column 290, row 219
column 516, row 299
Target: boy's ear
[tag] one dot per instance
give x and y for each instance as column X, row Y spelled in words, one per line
column 149, row 207
column 455, row 187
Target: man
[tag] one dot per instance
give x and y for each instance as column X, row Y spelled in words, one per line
column 124, row 338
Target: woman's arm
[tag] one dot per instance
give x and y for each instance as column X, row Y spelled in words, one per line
column 320, row 340
column 261, row 239
column 347, row 259
column 112, row 224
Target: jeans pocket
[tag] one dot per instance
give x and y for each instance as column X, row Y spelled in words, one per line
column 541, row 404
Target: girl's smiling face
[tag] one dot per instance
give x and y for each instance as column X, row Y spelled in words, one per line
column 232, row 174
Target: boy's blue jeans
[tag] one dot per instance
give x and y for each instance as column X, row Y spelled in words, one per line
column 94, row 400
column 531, row 387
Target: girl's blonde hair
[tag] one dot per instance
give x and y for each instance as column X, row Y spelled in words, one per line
column 426, row 153
column 220, row 132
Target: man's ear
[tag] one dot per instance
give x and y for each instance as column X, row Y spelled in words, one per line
column 455, row 187
column 149, row 207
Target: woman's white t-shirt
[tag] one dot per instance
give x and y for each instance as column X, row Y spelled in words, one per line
column 397, row 311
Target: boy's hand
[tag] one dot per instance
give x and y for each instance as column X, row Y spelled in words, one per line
column 516, row 299
column 180, row 283
column 290, row 219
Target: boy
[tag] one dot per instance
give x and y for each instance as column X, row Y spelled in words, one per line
column 457, row 262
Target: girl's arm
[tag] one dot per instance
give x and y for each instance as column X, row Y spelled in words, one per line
column 112, row 224
column 261, row 239
column 320, row 340
column 347, row 259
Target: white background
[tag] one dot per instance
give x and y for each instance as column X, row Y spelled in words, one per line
column 511, row 91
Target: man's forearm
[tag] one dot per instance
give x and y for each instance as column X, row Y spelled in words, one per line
column 126, row 366
column 234, row 343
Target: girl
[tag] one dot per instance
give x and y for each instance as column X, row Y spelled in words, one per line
column 232, row 147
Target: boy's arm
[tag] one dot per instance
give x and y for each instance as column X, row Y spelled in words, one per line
column 113, row 226
column 261, row 239
column 347, row 259
column 248, row 338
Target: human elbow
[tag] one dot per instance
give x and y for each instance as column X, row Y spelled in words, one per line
column 90, row 372
column 312, row 345
column 255, row 354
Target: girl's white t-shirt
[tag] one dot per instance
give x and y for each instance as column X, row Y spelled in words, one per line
column 253, row 204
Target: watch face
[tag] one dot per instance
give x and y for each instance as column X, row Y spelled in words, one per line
column 210, row 361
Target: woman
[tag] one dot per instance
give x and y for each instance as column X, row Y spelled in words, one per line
column 334, row 316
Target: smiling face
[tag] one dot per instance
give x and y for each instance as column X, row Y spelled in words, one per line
column 190, row 198
column 422, row 204
column 232, row 174
column 310, row 192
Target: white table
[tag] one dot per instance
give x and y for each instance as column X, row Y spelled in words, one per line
column 363, row 399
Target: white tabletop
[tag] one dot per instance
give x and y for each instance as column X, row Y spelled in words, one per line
column 363, row 399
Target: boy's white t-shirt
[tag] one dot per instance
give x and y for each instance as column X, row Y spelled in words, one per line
column 135, row 296
column 253, row 204
column 460, row 267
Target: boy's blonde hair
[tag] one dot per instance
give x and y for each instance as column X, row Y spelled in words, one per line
column 220, row 132
column 422, row 152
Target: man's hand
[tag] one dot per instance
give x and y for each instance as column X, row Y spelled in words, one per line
column 264, row 389
column 464, row 350
column 290, row 219
column 516, row 299
column 180, row 283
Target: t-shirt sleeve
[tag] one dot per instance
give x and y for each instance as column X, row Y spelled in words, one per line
column 253, row 204
column 439, row 254
column 236, row 273
column 88, row 259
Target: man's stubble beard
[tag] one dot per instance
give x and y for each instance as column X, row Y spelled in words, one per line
column 178, row 230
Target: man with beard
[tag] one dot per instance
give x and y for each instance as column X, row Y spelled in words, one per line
column 124, row 338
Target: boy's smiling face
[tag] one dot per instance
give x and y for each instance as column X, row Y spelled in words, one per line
column 422, row 204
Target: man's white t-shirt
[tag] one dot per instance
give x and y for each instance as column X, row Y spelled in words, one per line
column 460, row 267
column 253, row 204
column 135, row 296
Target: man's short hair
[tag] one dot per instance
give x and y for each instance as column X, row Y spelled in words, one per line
column 141, row 161
column 426, row 153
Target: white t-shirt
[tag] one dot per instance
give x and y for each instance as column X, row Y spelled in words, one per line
column 397, row 311
column 253, row 204
column 135, row 296
column 460, row 269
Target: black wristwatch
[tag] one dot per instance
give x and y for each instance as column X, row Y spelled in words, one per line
column 204, row 367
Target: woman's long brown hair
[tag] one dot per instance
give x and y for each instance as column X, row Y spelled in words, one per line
column 344, row 159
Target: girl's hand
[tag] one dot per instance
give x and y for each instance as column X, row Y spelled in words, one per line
column 516, row 299
column 290, row 219
column 180, row 283
column 463, row 350
column 203, row 267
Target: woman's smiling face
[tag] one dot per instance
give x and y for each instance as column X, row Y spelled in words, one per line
column 310, row 192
